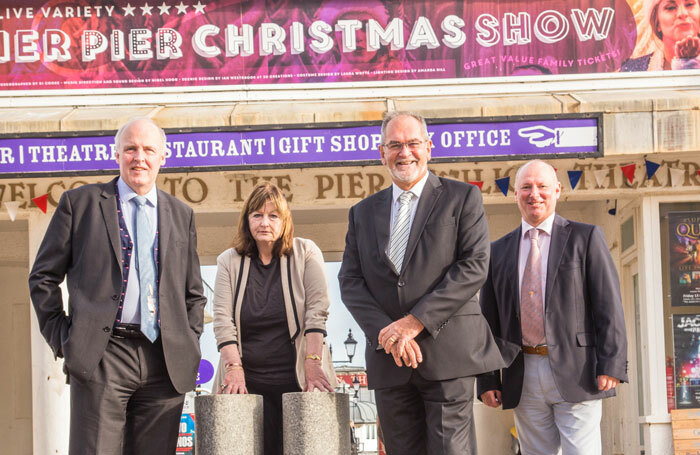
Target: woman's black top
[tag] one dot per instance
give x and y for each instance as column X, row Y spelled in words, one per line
column 269, row 356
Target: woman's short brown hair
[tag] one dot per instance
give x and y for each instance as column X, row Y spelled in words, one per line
column 244, row 243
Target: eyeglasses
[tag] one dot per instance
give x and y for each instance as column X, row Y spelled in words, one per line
column 396, row 146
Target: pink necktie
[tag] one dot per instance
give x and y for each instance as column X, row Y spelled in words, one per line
column 531, row 299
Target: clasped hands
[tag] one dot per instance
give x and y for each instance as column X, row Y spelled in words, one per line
column 398, row 340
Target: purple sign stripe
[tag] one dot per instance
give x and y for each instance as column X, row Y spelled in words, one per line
column 559, row 137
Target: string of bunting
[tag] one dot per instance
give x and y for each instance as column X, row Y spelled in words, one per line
column 628, row 171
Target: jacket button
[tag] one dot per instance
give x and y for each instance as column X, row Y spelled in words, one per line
column 106, row 329
column 115, row 297
column 401, row 283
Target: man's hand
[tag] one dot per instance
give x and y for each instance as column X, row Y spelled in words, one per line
column 396, row 335
column 492, row 398
column 606, row 383
column 410, row 357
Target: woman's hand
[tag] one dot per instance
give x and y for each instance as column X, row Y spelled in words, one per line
column 315, row 377
column 234, row 379
column 688, row 47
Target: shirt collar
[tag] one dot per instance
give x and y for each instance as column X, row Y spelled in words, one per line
column 127, row 194
column 545, row 226
column 416, row 190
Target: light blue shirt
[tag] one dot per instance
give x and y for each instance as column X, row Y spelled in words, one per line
column 544, row 242
column 131, row 311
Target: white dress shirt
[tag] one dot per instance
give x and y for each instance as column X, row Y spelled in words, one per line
column 416, row 191
column 545, row 240
column 131, row 310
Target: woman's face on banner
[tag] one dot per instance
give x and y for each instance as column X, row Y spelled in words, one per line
column 678, row 19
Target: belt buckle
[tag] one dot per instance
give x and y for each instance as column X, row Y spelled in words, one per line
column 541, row 349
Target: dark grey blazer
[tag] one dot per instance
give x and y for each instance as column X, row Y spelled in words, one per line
column 445, row 265
column 584, row 324
column 82, row 244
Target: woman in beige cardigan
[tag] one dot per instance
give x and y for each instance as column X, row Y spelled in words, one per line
column 270, row 309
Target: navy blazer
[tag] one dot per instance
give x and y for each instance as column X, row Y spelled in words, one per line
column 584, row 324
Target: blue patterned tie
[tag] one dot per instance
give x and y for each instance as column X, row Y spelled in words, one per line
column 145, row 262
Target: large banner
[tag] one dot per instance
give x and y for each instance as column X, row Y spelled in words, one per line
column 85, row 44
column 334, row 145
column 684, row 244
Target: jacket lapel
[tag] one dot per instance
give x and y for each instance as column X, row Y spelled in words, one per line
column 560, row 235
column 108, row 206
column 428, row 199
column 164, row 230
column 382, row 219
column 510, row 265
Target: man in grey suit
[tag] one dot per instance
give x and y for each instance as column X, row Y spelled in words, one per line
column 553, row 287
column 415, row 256
column 130, row 339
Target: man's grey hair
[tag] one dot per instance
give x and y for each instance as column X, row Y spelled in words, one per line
column 522, row 168
column 131, row 121
column 389, row 116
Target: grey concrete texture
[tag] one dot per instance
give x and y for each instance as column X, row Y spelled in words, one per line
column 316, row 423
column 228, row 425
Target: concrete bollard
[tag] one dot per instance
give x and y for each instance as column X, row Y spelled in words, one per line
column 316, row 423
column 228, row 425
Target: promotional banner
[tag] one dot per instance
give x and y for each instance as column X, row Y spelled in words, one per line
column 84, row 44
column 686, row 348
column 684, row 243
column 559, row 137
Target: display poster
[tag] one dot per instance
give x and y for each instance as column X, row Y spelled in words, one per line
column 576, row 136
column 686, row 348
column 186, row 437
column 85, row 44
column 684, row 244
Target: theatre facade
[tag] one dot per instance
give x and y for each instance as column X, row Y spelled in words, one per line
column 294, row 93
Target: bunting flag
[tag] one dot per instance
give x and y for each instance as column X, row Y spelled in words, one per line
column 651, row 168
column 503, row 184
column 628, row 170
column 480, row 184
column 41, row 202
column 676, row 176
column 698, row 171
column 12, row 207
column 599, row 175
column 574, row 177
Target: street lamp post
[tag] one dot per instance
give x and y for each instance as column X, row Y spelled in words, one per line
column 356, row 385
column 350, row 346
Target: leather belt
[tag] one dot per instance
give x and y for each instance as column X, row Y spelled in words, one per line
column 128, row 331
column 537, row 350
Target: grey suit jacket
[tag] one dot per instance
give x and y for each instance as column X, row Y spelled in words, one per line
column 82, row 244
column 584, row 324
column 445, row 265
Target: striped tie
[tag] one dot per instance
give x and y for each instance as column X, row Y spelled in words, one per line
column 402, row 228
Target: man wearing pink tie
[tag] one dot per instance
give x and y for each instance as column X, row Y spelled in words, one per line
column 552, row 287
